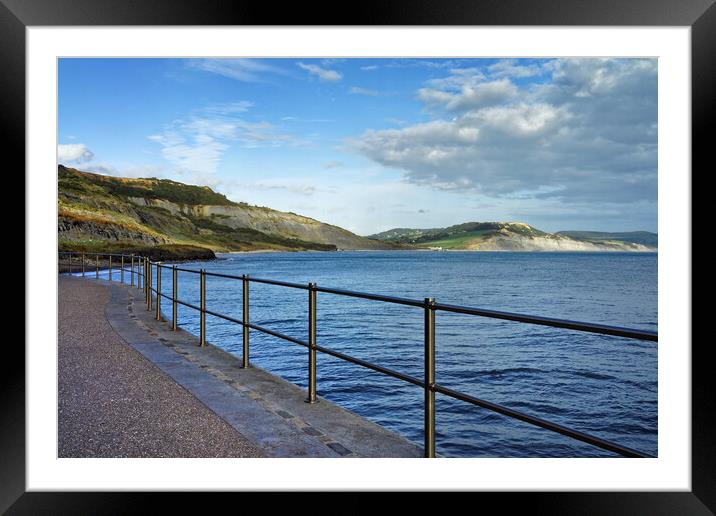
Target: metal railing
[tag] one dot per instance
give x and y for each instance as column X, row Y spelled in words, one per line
column 146, row 268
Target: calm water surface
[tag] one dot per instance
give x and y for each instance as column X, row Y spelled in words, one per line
column 602, row 385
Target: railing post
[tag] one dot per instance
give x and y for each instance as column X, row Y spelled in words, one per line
column 245, row 319
column 131, row 273
column 96, row 271
column 83, row 265
column 110, row 267
column 149, row 285
column 158, row 315
column 429, row 377
column 202, row 314
column 174, row 298
column 311, row 344
column 121, row 270
column 70, row 262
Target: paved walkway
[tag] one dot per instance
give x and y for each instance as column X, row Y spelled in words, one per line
column 115, row 403
column 129, row 386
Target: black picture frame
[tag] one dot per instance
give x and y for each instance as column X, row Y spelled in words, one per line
column 700, row 15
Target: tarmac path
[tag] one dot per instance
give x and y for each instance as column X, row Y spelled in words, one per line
column 115, row 403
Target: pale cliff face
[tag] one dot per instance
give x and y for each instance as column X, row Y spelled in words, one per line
column 269, row 221
column 512, row 242
column 509, row 236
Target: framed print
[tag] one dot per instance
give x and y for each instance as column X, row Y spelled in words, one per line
column 520, row 45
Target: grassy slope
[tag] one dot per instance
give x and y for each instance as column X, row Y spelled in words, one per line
column 457, row 241
column 458, row 236
column 462, row 236
column 98, row 205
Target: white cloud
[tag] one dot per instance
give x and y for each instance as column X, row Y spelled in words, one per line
column 80, row 154
column 586, row 134
column 228, row 108
column 308, row 120
column 520, row 120
column 458, row 79
column 322, row 73
column 244, row 70
column 511, row 68
column 424, row 63
column 130, row 171
column 196, row 153
column 355, row 90
column 74, row 153
column 470, row 96
column 331, row 61
column 290, row 185
column 369, row 68
column 196, row 145
column 271, row 191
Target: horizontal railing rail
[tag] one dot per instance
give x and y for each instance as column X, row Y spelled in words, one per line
column 145, row 270
column 493, row 314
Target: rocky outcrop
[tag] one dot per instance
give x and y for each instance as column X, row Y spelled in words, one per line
column 76, row 230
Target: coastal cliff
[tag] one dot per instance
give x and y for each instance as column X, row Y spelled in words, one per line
column 97, row 212
column 513, row 236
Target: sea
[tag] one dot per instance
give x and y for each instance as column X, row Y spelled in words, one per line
column 602, row 385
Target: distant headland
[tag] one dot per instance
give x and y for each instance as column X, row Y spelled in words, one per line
column 172, row 220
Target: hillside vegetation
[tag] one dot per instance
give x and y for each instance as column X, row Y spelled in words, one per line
column 97, row 212
column 510, row 236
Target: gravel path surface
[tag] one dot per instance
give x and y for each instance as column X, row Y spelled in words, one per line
column 114, row 403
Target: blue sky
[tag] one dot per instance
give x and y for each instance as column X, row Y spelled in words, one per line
column 373, row 144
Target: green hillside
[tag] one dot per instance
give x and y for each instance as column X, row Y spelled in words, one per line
column 514, row 236
column 97, row 212
column 456, row 237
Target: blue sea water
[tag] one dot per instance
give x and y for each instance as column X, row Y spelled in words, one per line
column 603, row 385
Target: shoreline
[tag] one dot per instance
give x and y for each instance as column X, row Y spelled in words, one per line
column 65, row 267
column 553, row 251
column 257, row 251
